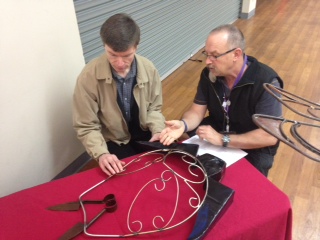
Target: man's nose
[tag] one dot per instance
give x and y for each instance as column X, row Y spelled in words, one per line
column 119, row 61
column 208, row 61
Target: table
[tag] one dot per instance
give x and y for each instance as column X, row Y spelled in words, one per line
column 259, row 209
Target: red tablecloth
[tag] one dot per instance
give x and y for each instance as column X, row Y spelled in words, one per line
column 259, row 209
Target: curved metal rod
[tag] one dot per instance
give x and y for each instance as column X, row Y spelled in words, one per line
column 313, row 108
column 301, row 140
column 194, row 164
column 290, row 97
column 165, row 153
column 275, row 125
column 283, row 133
column 163, row 180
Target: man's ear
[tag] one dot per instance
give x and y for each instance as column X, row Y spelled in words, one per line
column 238, row 53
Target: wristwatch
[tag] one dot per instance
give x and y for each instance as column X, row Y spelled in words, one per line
column 225, row 140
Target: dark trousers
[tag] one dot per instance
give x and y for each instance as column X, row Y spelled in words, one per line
column 261, row 161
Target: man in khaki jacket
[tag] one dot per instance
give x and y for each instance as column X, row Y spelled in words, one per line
column 118, row 97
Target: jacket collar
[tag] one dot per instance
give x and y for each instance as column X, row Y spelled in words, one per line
column 247, row 76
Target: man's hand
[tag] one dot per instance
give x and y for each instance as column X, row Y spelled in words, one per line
column 110, row 164
column 173, row 130
column 207, row 133
column 155, row 137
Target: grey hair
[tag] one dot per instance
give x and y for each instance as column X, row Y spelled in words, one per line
column 235, row 36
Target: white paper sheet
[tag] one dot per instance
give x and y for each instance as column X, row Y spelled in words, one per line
column 229, row 155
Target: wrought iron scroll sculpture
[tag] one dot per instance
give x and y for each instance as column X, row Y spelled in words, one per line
column 159, row 182
column 277, row 126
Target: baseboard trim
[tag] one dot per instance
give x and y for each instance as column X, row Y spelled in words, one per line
column 74, row 167
column 244, row 15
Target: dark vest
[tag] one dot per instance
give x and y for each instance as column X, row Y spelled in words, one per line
column 243, row 97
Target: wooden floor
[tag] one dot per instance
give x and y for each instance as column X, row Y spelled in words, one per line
column 284, row 34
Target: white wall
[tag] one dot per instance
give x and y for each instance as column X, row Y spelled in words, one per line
column 40, row 58
column 248, row 5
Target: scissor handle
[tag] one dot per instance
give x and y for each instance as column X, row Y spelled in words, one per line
column 111, row 203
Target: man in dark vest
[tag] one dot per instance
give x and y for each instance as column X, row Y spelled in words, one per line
column 118, row 97
column 231, row 89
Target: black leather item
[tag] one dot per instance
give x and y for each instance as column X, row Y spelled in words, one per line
column 186, row 147
column 217, row 201
column 214, row 166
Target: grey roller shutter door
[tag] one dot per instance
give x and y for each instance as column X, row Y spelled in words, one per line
column 170, row 30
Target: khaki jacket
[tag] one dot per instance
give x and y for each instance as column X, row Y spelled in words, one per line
column 97, row 118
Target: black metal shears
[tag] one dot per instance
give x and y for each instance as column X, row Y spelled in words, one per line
column 109, row 200
column 110, row 206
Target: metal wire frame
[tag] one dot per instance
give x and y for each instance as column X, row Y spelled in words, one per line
column 161, row 157
column 285, row 96
column 275, row 127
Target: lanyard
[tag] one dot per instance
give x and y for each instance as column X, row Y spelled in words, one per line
column 226, row 102
column 241, row 72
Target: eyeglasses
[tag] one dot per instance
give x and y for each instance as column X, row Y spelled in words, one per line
column 213, row 58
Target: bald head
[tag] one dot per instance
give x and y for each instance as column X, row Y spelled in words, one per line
column 229, row 34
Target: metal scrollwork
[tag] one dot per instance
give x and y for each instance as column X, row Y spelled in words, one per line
column 168, row 177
